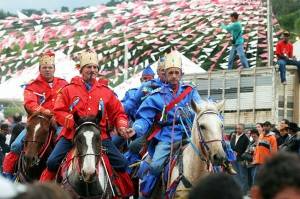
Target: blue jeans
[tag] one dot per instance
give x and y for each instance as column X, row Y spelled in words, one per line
column 17, row 145
column 63, row 146
column 282, row 67
column 256, row 169
column 118, row 141
column 242, row 175
column 237, row 49
column 161, row 154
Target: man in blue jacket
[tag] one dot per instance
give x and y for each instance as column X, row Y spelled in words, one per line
column 155, row 105
column 129, row 101
column 135, row 97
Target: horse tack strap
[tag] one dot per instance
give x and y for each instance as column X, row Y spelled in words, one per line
column 184, row 180
column 171, row 105
column 47, row 144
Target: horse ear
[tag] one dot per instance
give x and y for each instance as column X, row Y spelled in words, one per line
column 98, row 117
column 220, row 105
column 76, row 118
column 100, row 111
column 28, row 111
column 195, row 107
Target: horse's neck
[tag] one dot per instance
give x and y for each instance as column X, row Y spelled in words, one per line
column 193, row 166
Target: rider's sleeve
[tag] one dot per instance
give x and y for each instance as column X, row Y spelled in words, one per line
column 31, row 101
column 146, row 114
column 130, row 103
column 196, row 97
column 62, row 109
column 115, row 111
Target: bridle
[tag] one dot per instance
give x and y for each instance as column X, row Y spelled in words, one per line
column 77, row 134
column 43, row 144
column 203, row 143
column 77, row 156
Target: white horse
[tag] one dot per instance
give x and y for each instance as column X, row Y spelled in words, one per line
column 205, row 147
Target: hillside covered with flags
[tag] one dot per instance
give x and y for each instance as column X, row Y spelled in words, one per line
column 147, row 28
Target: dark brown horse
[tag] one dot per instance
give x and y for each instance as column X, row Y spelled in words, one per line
column 83, row 173
column 37, row 147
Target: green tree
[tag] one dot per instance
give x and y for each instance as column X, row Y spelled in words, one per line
column 4, row 14
column 64, row 9
column 11, row 110
column 297, row 25
column 281, row 7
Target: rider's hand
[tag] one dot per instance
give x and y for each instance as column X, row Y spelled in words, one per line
column 47, row 112
column 53, row 122
column 122, row 132
column 130, row 132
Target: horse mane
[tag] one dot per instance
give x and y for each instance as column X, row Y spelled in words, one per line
column 87, row 119
column 208, row 106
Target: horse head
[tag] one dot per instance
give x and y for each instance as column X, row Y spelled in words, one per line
column 87, row 146
column 37, row 136
column 208, row 130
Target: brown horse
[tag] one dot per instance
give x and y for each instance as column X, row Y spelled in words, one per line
column 39, row 141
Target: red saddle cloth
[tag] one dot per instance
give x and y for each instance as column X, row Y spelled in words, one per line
column 121, row 181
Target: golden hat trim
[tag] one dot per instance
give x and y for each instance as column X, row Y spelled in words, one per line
column 47, row 60
column 88, row 58
column 173, row 60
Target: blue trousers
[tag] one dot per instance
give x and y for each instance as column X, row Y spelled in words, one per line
column 17, row 145
column 118, row 141
column 237, row 49
column 63, row 146
column 162, row 152
column 242, row 175
column 282, row 67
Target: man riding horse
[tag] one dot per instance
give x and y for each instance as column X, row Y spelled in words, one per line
column 39, row 96
column 83, row 96
column 169, row 129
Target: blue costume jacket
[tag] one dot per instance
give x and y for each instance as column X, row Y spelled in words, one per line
column 134, row 97
column 155, row 104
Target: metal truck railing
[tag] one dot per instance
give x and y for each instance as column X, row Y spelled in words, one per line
column 252, row 95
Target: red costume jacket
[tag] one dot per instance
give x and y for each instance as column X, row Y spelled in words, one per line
column 38, row 95
column 76, row 98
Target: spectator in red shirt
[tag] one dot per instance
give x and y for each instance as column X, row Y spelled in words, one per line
column 284, row 52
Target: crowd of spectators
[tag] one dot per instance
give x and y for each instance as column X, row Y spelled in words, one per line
column 267, row 164
column 254, row 147
column 8, row 133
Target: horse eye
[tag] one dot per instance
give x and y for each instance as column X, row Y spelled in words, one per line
column 202, row 127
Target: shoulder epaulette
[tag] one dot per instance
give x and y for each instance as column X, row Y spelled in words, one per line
column 186, row 84
column 157, row 90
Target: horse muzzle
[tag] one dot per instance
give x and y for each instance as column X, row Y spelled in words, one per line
column 88, row 177
column 31, row 161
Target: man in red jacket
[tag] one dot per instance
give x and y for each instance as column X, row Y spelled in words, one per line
column 39, row 96
column 284, row 52
column 83, row 96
